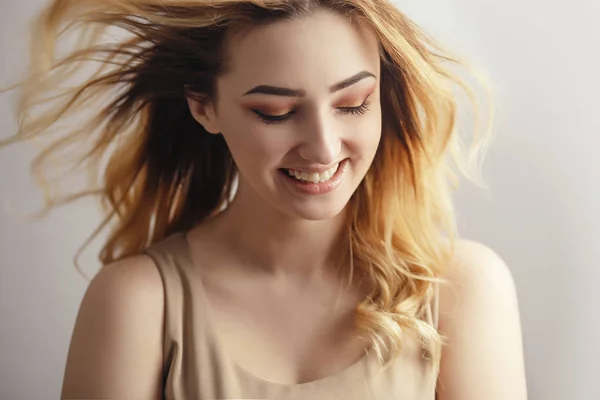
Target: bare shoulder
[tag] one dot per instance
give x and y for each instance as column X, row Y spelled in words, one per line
column 116, row 347
column 132, row 277
column 479, row 316
column 476, row 268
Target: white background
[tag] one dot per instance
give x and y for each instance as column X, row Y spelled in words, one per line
column 543, row 169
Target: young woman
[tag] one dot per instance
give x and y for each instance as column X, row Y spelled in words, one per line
column 277, row 181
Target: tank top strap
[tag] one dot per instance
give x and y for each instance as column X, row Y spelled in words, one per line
column 174, row 272
column 183, row 289
column 192, row 362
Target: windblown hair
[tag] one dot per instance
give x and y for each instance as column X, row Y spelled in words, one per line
column 157, row 171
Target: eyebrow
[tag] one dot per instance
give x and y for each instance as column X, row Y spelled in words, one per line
column 286, row 92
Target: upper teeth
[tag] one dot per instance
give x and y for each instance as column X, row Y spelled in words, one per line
column 313, row 177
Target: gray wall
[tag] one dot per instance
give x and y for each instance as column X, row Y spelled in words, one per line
column 543, row 170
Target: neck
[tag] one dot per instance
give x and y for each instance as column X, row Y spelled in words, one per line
column 279, row 244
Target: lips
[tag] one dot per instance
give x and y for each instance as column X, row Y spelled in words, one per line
column 331, row 180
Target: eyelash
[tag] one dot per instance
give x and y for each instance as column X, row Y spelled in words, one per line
column 278, row 119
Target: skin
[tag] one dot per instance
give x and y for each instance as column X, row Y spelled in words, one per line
column 273, row 249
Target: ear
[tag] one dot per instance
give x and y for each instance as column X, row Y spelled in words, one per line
column 203, row 111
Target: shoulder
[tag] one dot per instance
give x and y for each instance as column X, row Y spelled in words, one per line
column 116, row 346
column 129, row 280
column 477, row 270
column 478, row 283
column 479, row 318
column 131, row 285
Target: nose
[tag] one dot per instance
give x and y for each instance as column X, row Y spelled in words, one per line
column 321, row 141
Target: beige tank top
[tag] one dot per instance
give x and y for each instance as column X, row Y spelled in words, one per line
column 196, row 366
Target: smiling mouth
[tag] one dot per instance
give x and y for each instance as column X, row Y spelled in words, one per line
column 312, row 177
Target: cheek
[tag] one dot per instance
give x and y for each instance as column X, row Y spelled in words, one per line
column 253, row 147
column 366, row 134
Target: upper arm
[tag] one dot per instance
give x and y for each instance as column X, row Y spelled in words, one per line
column 116, row 346
column 479, row 317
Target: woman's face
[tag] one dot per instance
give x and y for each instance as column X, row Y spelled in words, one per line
column 300, row 111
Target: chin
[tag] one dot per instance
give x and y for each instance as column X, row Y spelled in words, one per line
column 315, row 211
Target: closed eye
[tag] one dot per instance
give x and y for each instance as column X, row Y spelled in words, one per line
column 273, row 119
column 278, row 119
column 359, row 110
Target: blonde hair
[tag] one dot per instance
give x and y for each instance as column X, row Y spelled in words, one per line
column 163, row 172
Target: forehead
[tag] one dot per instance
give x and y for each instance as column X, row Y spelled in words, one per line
column 311, row 52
